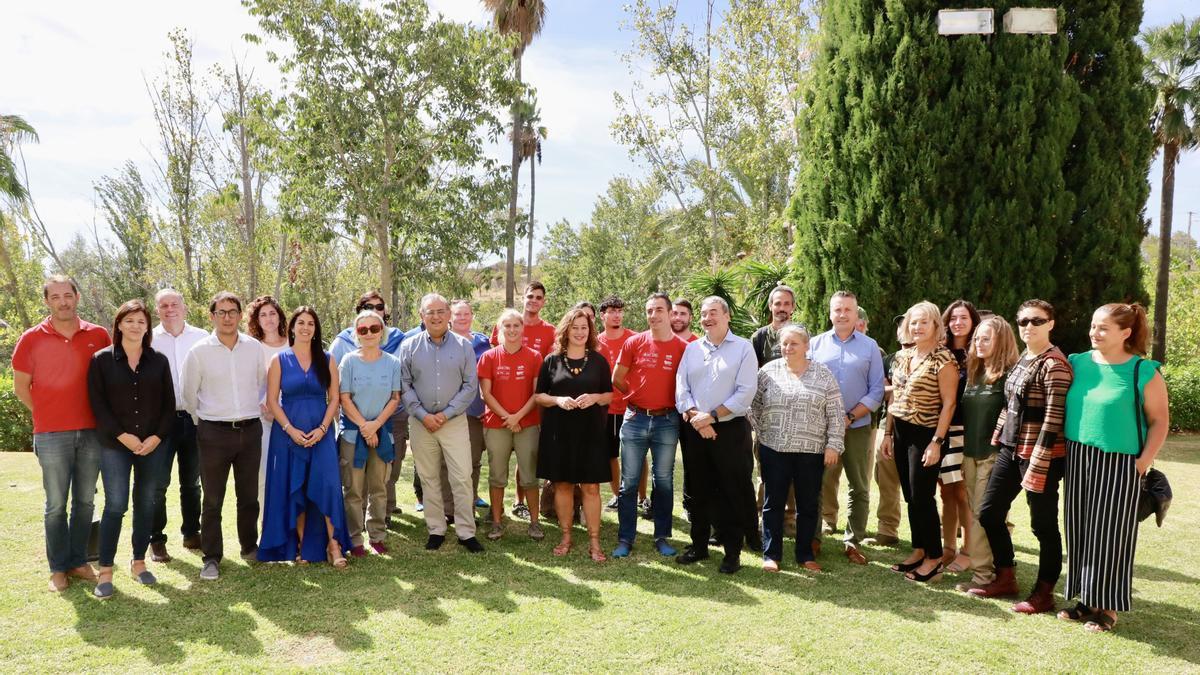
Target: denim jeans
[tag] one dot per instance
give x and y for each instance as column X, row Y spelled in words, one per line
column 70, row 462
column 115, row 467
column 659, row 435
column 180, row 444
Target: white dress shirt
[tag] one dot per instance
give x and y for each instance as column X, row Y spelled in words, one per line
column 175, row 348
column 222, row 384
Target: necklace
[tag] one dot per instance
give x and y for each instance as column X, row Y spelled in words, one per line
column 572, row 369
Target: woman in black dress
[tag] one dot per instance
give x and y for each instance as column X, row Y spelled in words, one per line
column 575, row 388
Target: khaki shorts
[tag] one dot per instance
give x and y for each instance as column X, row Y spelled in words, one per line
column 500, row 446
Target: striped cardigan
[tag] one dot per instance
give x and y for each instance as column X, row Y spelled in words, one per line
column 1036, row 391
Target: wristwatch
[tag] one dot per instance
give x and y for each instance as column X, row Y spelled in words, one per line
column 938, row 439
column 850, row 418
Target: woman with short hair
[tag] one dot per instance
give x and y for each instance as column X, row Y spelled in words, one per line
column 1117, row 421
column 925, row 387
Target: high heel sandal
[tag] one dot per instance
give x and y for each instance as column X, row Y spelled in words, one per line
column 903, row 567
column 563, row 548
column 934, row 574
column 333, row 553
column 596, row 551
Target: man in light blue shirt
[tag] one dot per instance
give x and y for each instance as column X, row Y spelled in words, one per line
column 714, row 387
column 857, row 365
column 438, row 384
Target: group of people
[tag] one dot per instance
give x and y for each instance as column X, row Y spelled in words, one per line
column 317, row 436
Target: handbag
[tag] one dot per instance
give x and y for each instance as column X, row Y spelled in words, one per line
column 1154, row 496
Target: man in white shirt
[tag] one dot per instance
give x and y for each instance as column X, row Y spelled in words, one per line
column 174, row 337
column 224, row 380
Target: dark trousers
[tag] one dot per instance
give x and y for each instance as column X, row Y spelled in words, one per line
column 918, row 483
column 1003, row 487
column 181, row 445
column 223, row 448
column 781, row 472
column 718, row 487
column 115, row 469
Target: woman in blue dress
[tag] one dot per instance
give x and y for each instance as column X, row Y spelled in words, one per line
column 304, row 518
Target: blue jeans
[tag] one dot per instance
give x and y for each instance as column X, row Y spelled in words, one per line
column 115, row 466
column 182, row 444
column 70, row 462
column 659, row 434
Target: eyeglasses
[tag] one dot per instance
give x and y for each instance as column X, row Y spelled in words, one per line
column 437, row 312
column 1035, row 320
column 378, row 307
column 227, row 313
column 372, row 329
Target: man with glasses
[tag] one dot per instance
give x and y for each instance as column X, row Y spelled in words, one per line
column 224, row 381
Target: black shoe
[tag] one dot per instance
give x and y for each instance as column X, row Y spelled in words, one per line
column 434, row 542
column 713, row 540
column 449, row 520
column 471, row 544
column 691, row 554
column 754, row 542
column 730, row 565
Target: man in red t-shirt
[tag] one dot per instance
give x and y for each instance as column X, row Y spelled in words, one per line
column 681, row 320
column 50, row 367
column 508, row 379
column 645, row 374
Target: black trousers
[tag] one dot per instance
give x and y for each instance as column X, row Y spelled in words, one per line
column 221, row 449
column 1003, row 487
column 918, row 483
column 718, row 489
column 181, row 445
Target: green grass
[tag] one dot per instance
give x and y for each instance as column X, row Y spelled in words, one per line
column 518, row 608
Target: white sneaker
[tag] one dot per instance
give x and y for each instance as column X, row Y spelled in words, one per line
column 210, row 571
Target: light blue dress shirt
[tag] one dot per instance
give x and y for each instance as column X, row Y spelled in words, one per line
column 437, row 377
column 714, row 375
column 857, row 366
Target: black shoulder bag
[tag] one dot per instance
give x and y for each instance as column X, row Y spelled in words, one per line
column 1154, row 496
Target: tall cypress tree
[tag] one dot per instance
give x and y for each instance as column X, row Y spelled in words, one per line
column 944, row 167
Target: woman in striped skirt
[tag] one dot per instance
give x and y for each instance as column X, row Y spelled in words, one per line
column 1116, row 423
column 961, row 320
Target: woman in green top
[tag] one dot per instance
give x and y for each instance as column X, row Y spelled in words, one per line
column 1113, row 441
column 992, row 354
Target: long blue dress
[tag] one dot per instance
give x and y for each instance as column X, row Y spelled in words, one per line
column 299, row 479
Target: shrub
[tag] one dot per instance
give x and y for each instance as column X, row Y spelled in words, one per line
column 16, row 426
column 1183, row 388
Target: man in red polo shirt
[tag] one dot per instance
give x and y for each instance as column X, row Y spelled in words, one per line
column 645, row 373
column 50, row 365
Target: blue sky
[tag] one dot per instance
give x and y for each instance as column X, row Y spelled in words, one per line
column 81, row 67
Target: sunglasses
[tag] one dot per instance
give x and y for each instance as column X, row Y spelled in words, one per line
column 378, row 307
column 372, row 329
column 1035, row 320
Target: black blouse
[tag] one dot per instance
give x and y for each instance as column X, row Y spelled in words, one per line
column 140, row 402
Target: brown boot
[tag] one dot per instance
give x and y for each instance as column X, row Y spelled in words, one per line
column 1040, row 600
column 1003, row 586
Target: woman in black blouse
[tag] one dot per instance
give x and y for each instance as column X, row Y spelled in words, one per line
column 575, row 388
column 132, row 397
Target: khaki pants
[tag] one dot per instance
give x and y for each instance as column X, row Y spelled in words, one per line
column 399, row 424
column 365, row 493
column 888, row 480
column 975, row 477
column 501, row 444
column 856, row 462
column 450, row 444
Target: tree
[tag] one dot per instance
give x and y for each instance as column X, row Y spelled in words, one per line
column 125, row 203
column 532, row 134
column 13, row 131
column 388, row 114
column 946, row 167
column 523, row 19
column 1173, row 70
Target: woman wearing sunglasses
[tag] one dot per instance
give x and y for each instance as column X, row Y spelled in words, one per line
column 370, row 392
column 1031, row 458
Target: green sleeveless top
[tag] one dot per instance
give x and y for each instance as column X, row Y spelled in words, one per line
column 1100, row 403
column 981, row 405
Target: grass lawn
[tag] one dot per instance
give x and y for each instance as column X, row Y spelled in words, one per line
column 518, row 608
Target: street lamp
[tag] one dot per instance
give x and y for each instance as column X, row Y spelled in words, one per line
column 1031, row 20
column 965, row 22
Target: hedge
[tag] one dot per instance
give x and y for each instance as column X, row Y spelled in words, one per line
column 16, row 427
column 1183, row 388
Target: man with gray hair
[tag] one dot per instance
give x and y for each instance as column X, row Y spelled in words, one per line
column 438, row 384
column 714, row 386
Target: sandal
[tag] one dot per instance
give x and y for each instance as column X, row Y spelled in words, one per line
column 960, row 563
column 1080, row 612
column 931, row 576
column 596, row 552
column 1100, row 623
column 333, row 552
column 563, row 548
column 903, row 567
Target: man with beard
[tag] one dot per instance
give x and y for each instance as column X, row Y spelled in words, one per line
column 681, row 320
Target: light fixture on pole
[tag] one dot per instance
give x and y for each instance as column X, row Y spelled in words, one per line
column 1031, row 20
column 965, row 22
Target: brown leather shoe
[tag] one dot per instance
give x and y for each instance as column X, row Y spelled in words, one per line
column 84, row 572
column 1004, row 585
column 192, row 543
column 1040, row 600
column 889, row 540
column 812, row 566
column 855, row 556
column 58, row 582
column 158, row 552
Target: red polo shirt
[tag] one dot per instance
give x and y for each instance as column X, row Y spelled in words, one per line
column 58, row 367
column 652, row 365
column 512, row 377
column 537, row 336
column 611, row 349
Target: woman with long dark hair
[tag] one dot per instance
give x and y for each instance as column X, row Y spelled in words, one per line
column 961, row 319
column 265, row 323
column 304, row 518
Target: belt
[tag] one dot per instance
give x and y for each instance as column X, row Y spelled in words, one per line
column 656, row 412
column 235, row 424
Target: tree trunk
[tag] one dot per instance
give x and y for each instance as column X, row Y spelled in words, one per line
column 529, row 258
column 248, row 204
column 283, row 247
column 383, row 245
column 1165, row 214
column 510, row 238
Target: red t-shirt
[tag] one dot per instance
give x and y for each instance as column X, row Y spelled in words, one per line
column 652, row 365
column 692, row 337
column 537, row 336
column 59, row 369
column 611, row 349
column 512, row 377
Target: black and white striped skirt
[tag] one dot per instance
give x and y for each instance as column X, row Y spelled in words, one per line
column 1100, row 515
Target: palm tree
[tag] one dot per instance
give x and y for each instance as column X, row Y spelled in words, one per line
column 13, row 130
column 532, row 135
column 523, row 18
column 1172, row 57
